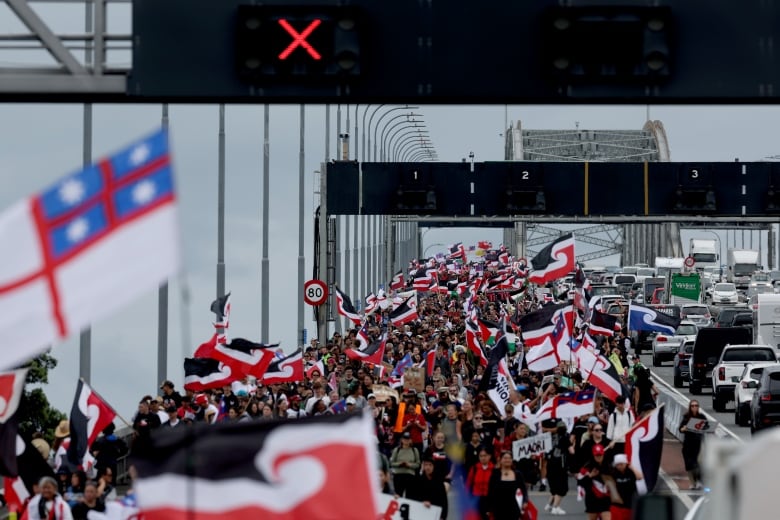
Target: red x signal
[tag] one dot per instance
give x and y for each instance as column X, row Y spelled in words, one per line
column 299, row 39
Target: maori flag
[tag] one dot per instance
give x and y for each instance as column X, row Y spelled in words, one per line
column 286, row 370
column 405, row 312
column 644, row 444
column 203, row 373
column 242, row 356
column 221, row 307
column 345, row 307
column 397, row 283
column 11, row 390
column 554, row 261
column 89, row 415
column 275, row 470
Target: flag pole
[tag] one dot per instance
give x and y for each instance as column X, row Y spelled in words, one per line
column 107, row 403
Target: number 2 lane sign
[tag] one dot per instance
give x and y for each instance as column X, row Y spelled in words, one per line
column 315, row 292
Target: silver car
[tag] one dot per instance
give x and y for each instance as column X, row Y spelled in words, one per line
column 665, row 346
column 698, row 313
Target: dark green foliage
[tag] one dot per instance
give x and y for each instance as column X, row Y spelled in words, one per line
column 35, row 413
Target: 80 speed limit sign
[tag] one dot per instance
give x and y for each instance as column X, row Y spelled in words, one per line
column 315, row 292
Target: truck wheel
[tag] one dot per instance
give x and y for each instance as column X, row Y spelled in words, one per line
column 678, row 382
column 695, row 388
column 717, row 404
column 741, row 416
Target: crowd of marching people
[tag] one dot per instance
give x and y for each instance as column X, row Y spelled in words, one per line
column 446, row 429
column 448, row 432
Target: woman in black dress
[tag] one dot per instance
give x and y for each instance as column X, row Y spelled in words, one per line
column 692, row 445
column 502, row 490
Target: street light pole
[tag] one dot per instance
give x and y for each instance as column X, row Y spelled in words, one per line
column 381, row 140
column 376, row 126
column 406, row 139
column 404, row 126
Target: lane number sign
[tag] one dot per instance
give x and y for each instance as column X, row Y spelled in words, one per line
column 315, row 292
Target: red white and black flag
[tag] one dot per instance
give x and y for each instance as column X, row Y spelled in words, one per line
column 397, row 283
column 271, row 470
column 423, row 279
column 644, row 445
column 89, row 415
column 11, row 390
column 370, row 352
column 221, row 307
column 472, row 332
column 554, row 261
column 203, row 373
column 547, row 334
column 286, row 370
column 32, row 467
column 405, row 312
column 602, row 324
column 242, row 356
column 600, row 372
column 345, row 307
column 457, row 252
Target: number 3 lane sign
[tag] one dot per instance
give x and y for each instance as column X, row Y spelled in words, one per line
column 315, row 292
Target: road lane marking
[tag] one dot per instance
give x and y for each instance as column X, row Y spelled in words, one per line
column 675, row 489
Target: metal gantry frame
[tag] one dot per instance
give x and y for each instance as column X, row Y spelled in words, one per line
column 632, row 241
column 65, row 71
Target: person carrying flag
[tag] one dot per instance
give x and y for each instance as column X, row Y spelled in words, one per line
column 622, row 483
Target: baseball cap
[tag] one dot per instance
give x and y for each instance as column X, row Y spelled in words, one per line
column 351, row 400
column 598, row 449
column 593, row 419
column 201, row 400
column 371, row 396
column 406, row 435
column 620, row 458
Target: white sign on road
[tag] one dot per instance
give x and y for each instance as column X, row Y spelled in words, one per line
column 702, row 425
column 524, row 448
column 391, row 508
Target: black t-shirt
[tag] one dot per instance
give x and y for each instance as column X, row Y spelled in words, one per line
column 171, row 400
column 625, row 483
column 80, row 510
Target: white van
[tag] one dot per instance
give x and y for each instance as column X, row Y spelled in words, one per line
column 766, row 319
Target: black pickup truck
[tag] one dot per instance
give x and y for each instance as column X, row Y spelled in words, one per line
column 709, row 345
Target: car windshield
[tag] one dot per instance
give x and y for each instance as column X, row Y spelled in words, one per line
column 686, row 330
column 749, row 354
column 645, row 271
column 697, row 311
column 725, row 287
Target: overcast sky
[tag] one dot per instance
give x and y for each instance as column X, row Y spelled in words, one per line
column 41, row 143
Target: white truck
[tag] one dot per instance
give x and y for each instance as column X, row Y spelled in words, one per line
column 665, row 266
column 766, row 320
column 730, row 365
column 742, row 263
column 704, row 252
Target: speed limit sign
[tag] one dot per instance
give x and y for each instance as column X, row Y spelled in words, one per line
column 689, row 261
column 315, row 292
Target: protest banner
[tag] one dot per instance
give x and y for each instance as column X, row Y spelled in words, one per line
column 525, row 448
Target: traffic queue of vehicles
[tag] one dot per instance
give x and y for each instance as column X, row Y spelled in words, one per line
column 728, row 339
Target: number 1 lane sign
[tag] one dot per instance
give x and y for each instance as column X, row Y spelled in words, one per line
column 315, row 292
